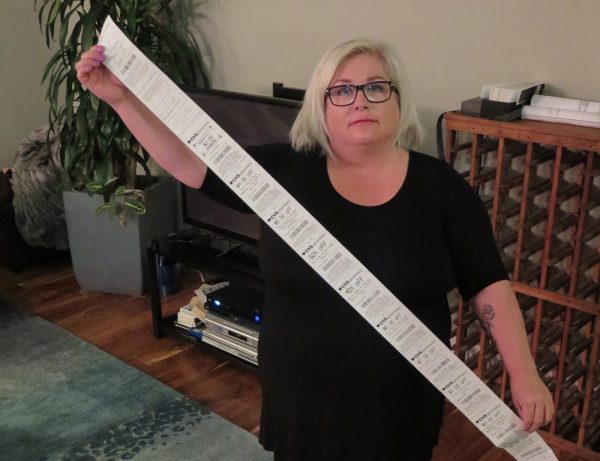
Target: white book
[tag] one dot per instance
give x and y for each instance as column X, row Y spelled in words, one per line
column 515, row 92
column 556, row 102
column 486, row 89
column 572, row 117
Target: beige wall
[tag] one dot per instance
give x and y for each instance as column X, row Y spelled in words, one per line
column 450, row 48
column 23, row 54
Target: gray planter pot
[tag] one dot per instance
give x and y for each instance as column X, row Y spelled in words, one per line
column 111, row 258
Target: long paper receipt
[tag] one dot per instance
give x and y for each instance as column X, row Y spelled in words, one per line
column 319, row 249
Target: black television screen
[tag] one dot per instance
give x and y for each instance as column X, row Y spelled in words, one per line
column 249, row 120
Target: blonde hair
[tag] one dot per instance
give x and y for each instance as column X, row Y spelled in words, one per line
column 309, row 129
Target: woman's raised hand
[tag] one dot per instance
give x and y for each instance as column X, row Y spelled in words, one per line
column 93, row 75
column 158, row 140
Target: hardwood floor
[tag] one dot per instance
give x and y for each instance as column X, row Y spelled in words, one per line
column 121, row 326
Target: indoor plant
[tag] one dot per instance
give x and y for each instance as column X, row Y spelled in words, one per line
column 94, row 143
column 98, row 153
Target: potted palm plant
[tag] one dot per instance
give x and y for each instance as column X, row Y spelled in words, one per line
column 99, row 155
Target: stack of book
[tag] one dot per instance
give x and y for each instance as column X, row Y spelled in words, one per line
column 563, row 110
column 502, row 101
column 518, row 93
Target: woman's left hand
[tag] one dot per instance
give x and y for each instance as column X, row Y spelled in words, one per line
column 532, row 400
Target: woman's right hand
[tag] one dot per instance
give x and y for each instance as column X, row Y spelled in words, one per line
column 158, row 140
column 94, row 76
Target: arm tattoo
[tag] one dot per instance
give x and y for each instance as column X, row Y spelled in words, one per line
column 486, row 315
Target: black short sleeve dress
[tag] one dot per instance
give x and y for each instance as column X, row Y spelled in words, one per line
column 333, row 388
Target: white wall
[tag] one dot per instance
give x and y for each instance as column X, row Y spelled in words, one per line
column 449, row 47
column 23, row 54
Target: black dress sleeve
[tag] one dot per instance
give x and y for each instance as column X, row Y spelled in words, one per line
column 470, row 239
column 268, row 156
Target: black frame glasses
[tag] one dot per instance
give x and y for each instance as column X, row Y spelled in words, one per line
column 370, row 94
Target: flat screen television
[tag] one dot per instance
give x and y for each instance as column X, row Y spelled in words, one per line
column 249, row 120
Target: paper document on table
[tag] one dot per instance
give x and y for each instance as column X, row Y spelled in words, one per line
column 318, row 248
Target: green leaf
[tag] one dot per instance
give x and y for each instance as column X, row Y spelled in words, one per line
column 61, row 22
column 89, row 25
column 94, row 143
column 50, row 65
column 74, row 39
column 120, row 190
column 82, row 132
column 95, row 102
column 69, row 102
column 91, row 113
column 135, row 206
column 103, row 168
column 41, row 12
column 123, row 140
column 64, row 28
column 52, row 15
column 111, row 180
column 94, row 187
column 107, row 128
column 55, row 80
column 103, row 146
column 103, row 207
column 66, row 155
column 131, row 17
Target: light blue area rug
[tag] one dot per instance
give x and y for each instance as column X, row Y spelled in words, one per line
column 64, row 399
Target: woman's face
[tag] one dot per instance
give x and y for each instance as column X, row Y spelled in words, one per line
column 362, row 123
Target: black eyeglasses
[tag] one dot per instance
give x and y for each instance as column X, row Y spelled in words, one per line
column 344, row 95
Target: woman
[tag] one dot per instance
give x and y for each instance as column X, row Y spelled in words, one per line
column 333, row 388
